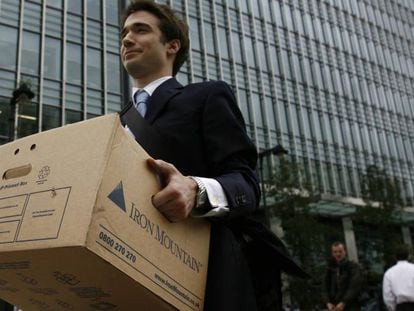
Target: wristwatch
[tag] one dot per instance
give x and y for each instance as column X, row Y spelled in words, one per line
column 201, row 198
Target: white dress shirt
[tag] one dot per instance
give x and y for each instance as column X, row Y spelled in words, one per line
column 215, row 192
column 398, row 284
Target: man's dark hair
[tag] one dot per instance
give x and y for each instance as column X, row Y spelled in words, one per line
column 402, row 252
column 337, row 243
column 170, row 25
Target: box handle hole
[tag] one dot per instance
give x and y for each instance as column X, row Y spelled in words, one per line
column 17, row 172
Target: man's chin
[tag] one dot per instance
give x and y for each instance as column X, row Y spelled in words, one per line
column 133, row 69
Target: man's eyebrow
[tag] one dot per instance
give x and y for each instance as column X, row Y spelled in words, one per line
column 134, row 25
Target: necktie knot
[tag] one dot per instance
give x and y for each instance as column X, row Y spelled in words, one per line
column 140, row 102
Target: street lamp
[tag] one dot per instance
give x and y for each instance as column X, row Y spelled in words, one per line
column 277, row 150
column 20, row 95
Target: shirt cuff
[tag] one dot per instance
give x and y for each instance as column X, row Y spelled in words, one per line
column 216, row 197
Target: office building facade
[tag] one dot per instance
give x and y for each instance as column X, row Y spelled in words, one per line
column 67, row 53
column 330, row 81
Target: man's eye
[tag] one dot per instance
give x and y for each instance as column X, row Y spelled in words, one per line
column 140, row 29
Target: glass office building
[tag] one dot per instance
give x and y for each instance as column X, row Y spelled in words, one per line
column 330, row 81
column 67, row 52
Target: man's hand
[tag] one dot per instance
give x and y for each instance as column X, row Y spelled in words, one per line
column 330, row 306
column 178, row 197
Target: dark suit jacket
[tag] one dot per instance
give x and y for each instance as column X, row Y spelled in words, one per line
column 205, row 131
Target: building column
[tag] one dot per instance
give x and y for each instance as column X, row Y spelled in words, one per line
column 350, row 239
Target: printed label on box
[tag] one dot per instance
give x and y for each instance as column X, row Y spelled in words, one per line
column 44, row 210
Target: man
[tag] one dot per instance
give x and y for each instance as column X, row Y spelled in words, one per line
column 343, row 280
column 214, row 174
column 398, row 283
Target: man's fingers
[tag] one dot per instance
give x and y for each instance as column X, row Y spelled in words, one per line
column 161, row 167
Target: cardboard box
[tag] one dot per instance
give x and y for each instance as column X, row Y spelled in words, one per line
column 78, row 230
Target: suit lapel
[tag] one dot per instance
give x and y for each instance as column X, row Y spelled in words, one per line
column 160, row 98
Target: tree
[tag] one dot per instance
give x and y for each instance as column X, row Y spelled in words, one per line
column 382, row 210
column 292, row 196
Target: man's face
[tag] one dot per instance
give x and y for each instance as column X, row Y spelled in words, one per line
column 143, row 54
column 338, row 252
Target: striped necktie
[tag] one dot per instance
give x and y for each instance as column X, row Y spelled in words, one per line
column 140, row 102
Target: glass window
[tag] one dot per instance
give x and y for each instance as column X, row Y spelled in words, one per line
column 94, row 75
column 195, row 37
column 243, row 104
column 249, row 51
column 52, row 93
column 30, row 53
column 237, row 49
column 74, row 28
column 224, row 48
column 112, row 12
column 55, row 3
column 8, row 47
column 75, row 6
column 51, row 117
column 74, row 63
column 94, row 101
column 4, row 119
column 213, row 68
column 243, row 5
column 112, row 39
column 257, row 109
column 73, row 116
column 113, row 72
column 53, row 58
column 9, row 12
column 95, row 34
column 210, row 42
column 286, row 64
column 27, row 119
column 7, row 83
column 288, row 17
column 32, row 16
column 74, row 97
column 267, row 10
column 114, row 103
column 54, row 22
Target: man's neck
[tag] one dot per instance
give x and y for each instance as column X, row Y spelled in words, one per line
column 141, row 82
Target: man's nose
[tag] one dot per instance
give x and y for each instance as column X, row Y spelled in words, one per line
column 127, row 41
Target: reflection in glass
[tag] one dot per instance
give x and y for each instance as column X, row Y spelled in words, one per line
column 94, row 68
column 30, row 53
column 51, row 117
column 8, row 47
column 74, row 63
column 113, row 69
column 52, row 61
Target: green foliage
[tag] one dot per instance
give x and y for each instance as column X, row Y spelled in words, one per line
column 382, row 210
column 303, row 232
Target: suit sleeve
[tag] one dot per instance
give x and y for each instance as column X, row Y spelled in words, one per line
column 232, row 156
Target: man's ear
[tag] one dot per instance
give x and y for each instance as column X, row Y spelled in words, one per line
column 173, row 46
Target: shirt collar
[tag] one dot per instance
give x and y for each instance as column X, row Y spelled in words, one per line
column 152, row 86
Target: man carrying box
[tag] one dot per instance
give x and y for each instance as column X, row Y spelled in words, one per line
column 213, row 175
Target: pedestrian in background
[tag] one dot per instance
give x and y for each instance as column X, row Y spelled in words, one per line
column 343, row 281
column 398, row 283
